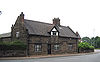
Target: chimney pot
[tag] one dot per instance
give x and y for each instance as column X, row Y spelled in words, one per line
column 56, row 21
column 22, row 17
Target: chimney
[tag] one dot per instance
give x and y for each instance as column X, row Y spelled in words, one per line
column 22, row 17
column 56, row 21
column 78, row 35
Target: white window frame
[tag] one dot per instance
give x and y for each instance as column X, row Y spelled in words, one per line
column 56, row 46
column 70, row 46
column 38, row 47
column 17, row 34
column 54, row 30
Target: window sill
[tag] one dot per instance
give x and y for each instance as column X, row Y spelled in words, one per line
column 56, row 50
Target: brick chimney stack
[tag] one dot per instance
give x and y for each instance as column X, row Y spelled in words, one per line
column 22, row 17
column 56, row 21
column 78, row 35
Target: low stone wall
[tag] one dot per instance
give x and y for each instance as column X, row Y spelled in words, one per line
column 85, row 50
column 12, row 53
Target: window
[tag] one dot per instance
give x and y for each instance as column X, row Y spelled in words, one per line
column 38, row 47
column 55, row 33
column 17, row 34
column 56, row 47
column 70, row 38
column 70, row 46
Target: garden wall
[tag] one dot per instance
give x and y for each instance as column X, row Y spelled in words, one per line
column 12, row 53
column 85, row 50
column 12, row 50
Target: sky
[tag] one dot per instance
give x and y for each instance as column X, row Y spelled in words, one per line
column 81, row 15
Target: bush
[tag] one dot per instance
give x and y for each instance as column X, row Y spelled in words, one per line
column 91, row 47
column 85, row 45
column 14, row 45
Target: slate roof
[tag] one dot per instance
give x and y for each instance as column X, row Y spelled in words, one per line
column 37, row 28
column 5, row 35
column 41, row 28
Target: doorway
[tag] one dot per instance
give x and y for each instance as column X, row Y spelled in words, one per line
column 49, row 49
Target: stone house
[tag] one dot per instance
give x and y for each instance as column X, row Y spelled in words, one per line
column 43, row 38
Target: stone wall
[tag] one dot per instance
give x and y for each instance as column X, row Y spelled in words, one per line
column 19, row 27
column 62, row 41
column 5, row 39
column 38, row 39
column 85, row 50
column 12, row 53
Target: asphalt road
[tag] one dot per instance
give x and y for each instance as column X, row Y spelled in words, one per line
column 82, row 58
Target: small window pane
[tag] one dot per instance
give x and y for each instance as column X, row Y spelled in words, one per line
column 54, row 33
column 70, row 46
column 38, row 47
column 56, row 46
column 17, row 34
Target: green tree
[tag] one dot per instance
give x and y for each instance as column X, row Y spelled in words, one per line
column 86, row 39
column 94, row 41
column 98, row 43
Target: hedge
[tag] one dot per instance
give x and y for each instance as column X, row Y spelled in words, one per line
column 13, row 45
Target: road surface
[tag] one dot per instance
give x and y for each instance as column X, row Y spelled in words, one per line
column 83, row 58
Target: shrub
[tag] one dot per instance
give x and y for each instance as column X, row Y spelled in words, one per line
column 14, row 45
column 91, row 47
column 85, row 45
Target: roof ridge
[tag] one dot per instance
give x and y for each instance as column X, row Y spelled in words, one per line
column 38, row 21
column 64, row 26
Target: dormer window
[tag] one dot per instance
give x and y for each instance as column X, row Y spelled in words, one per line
column 54, row 32
column 17, row 34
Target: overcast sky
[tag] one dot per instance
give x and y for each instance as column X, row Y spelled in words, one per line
column 81, row 15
